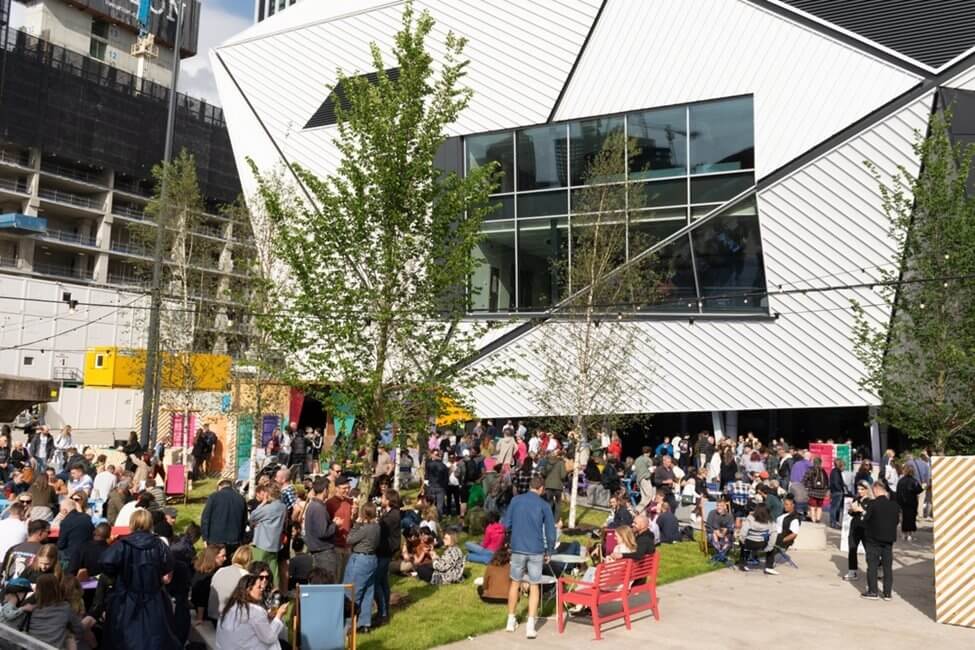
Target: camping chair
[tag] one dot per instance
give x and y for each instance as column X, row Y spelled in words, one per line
column 780, row 551
column 325, row 627
column 176, row 482
column 750, row 557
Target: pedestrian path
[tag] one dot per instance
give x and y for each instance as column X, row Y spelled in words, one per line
column 805, row 608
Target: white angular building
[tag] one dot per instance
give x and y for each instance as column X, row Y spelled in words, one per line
column 754, row 119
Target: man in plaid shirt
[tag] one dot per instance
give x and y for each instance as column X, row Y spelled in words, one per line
column 740, row 494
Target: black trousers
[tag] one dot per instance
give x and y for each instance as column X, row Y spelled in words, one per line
column 754, row 547
column 877, row 553
column 856, row 536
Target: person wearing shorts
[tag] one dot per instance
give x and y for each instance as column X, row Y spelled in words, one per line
column 531, row 524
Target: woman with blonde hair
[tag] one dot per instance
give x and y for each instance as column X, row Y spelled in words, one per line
column 140, row 613
column 226, row 578
column 45, row 562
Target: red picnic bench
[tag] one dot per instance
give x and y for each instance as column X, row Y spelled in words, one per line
column 615, row 581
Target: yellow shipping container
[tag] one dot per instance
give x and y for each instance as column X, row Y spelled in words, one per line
column 113, row 367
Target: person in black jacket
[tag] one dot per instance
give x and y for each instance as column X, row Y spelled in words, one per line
column 908, row 489
column 76, row 528
column 437, row 478
column 390, row 540
column 645, row 542
column 224, row 517
column 299, row 454
column 880, row 532
column 837, row 493
column 88, row 555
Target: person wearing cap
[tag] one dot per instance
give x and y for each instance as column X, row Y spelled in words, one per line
column 342, row 510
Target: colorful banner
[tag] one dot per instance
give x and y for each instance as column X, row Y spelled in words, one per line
column 844, row 453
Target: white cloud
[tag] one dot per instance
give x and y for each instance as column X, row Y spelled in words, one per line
column 216, row 26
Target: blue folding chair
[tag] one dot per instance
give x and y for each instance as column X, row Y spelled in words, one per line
column 325, row 627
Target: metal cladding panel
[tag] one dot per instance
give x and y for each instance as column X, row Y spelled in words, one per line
column 931, row 31
column 520, row 56
column 807, row 86
column 822, row 226
column 964, row 81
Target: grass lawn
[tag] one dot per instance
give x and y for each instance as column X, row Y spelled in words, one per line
column 432, row 616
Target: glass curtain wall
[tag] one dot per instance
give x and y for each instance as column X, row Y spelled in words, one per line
column 681, row 163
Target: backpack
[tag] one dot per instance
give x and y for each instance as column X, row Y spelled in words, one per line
column 819, row 480
column 472, row 470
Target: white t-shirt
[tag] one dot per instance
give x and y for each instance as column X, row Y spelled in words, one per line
column 12, row 532
column 533, row 444
column 222, row 584
column 125, row 514
column 793, row 527
column 84, row 483
column 104, row 484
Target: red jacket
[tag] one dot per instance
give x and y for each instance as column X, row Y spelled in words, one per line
column 493, row 537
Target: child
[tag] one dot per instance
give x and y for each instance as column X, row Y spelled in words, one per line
column 14, row 599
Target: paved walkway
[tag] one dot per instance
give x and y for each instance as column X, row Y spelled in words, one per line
column 805, row 608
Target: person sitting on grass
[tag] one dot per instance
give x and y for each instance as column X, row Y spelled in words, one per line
column 447, row 567
column 493, row 540
column 431, row 520
column 493, row 586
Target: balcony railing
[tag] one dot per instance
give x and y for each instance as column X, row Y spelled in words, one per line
column 14, row 185
column 70, row 237
column 62, row 271
column 8, row 261
column 69, row 198
column 127, row 279
column 62, row 373
column 130, row 187
column 210, row 231
column 130, row 212
column 73, row 173
column 131, row 249
column 22, row 160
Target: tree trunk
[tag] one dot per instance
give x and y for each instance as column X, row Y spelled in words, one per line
column 574, row 495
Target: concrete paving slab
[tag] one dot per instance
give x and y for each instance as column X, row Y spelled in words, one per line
column 810, row 606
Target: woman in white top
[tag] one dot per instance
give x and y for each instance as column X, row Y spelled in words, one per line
column 245, row 624
column 62, row 442
column 225, row 580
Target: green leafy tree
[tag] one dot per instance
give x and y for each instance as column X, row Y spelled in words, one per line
column 921, row 363
column 377, row 257
column 586, row 346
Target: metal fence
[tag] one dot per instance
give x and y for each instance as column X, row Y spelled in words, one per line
column 69, row 198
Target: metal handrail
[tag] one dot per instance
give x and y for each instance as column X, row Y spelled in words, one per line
column 22, row 161
column 70, row 172
column 131, row 213
column 69, row 237
column 129, row 248
column 126, row 279
column 14, row 185
column 70, row 198
column 61, row 271
column 10, row 262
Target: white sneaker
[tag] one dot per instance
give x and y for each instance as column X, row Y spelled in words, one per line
column 530, row 632
column 771, row 572
column 851, row 575
column 512, row 624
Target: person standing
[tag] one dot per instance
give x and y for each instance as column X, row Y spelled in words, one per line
column 837, row 493
column 360, row 571
column 922, row 472
column 268, row 521
column 437, row 478
column 816, row 483
column 41, row 448
column 342, row 510
column 643, row 473
column 299, row 454
column 879, row 535
column 507, row 448
column 555, row 481
column 856, row 510
column 224, row 517
column 908, row 491
column 320, row 529
column 62, row 443
column 665, row 480
column 140, row 614
column 532, row 526
column 390, row 541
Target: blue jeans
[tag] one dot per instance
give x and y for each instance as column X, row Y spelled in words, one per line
column 477, row 553
column 382, row 586
column 835, row 508
column 361, row 571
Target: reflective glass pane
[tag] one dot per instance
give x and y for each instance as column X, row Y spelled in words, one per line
column 716, row 189
column 542, row 252
column 543, row 204
column 660, row 142
column 728, row 254
column 542, row 157
column 493, row 279
column 504, row 208
column 494, row 147
column 673, row 278
column 722, row 136
column 699, row 211
column 588, row 137
column 645, row 232
column 610, row 197
column 655, row 194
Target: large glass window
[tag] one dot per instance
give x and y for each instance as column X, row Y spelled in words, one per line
column 722, row 136
column 684, row 163
column 493, row 280
column 587, row 139
column 542, row 158
column 730, row 268
column 658, row 143
column 494, row 147
column 542, row 254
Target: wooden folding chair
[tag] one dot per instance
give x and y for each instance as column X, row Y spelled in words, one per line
column 176, row 482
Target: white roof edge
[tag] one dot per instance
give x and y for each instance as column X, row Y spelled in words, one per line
column 958, row 58
column 857, row 37
column 307, row 14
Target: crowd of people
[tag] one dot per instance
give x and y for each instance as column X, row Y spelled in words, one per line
column 91, row 557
